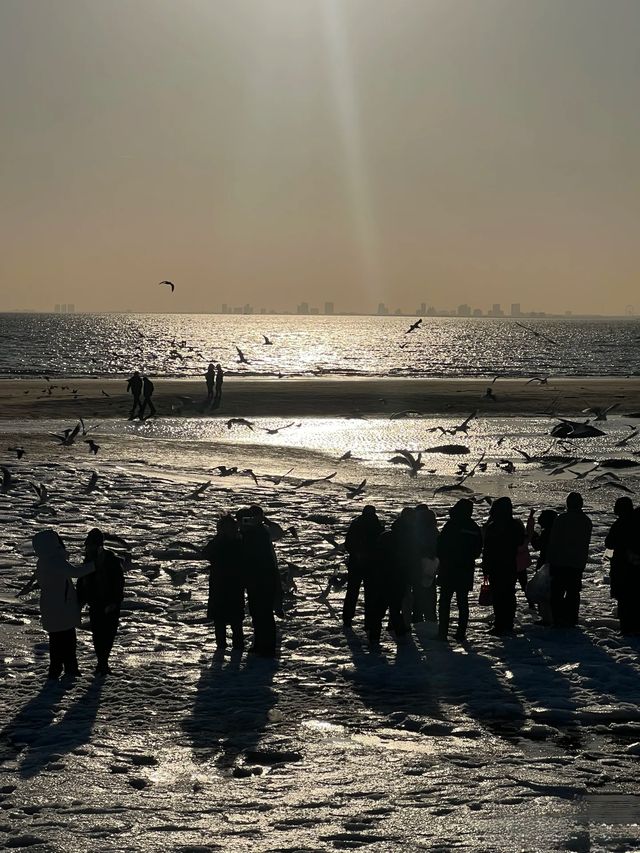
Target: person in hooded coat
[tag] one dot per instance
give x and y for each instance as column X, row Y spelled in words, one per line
column 226, row 588
column 503, row 536
column 59, row 608
column 459, row 545
column 103, row 591
column 568, row 552
column 625, row 566
column 361, row 543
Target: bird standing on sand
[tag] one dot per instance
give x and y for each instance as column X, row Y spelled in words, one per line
column 170, row 284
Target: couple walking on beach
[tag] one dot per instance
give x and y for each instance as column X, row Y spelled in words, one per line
column 214, row 377
column 141, row 388
column 100, row 585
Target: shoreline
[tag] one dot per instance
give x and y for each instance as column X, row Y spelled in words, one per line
column 322, row 397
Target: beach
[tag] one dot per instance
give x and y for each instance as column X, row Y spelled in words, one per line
column 322, row 397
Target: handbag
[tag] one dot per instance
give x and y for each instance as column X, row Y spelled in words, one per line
column 485, row 598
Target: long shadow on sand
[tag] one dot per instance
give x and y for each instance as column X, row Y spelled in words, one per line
column 231, row 708
column 39, row 729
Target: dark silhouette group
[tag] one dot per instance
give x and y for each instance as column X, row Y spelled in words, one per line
column 141, row 388
column 402, row 568
column 214, row 377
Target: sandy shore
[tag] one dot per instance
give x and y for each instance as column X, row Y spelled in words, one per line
column 22, row 398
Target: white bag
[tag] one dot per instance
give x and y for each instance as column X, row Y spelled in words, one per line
column 429, row 570
column 539, row 587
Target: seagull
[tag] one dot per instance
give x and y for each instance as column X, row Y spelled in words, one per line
column 170, row 284
column 223, row 471
column 489, row 395
column 247, row 472
column 599, row 411
column 313, row 481
column 464, row 426
column 199, row 490
column 93, row 447
column 68, row 436
column 407, row 413
column 87, row 430
column 7, row 479
column 414, row 326
column 267, row 342
column 104, row 393
column 345, row 456
column 543, row 380
column 93, row 481
column 582, row 475
column 622, row 443
column 239, row 422
column 276, row 430
column 405, row 457
column 41, row 491
column 537, row 334
column 19, row 451
column 241, row 356
column 354, row 491
column 276, row 479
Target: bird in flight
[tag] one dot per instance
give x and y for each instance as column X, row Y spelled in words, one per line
column 414, row 326
column 93, row 447
column 537, row 334
column 267, row 342
column 312, row 482
column 276, row 430
column 464, row 426
column 169, row 284
column 68, row 436
column 354, row 491
column 543, row 380
column 239, row 422
column 622, row 443
column 19, row 451
column 241, row 356
column 93, row 480
column 600, row 412
column 405, row 457
column 199, row 490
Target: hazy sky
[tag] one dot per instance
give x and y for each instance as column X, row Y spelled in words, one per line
column 273, row 151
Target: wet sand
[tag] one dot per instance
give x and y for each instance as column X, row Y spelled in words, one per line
column 103, row 398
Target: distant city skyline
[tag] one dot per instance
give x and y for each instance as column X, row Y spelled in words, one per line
column 266, row 151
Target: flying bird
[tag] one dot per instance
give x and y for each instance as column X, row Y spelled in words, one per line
column 241, row 356
column 354, row 491
column 600, row 412
column 267, row 342
column 414, row 326
column 276, row 430
column 199, row 490
column 464, row 426
column 239, row 422
column 405, row 457
column 345, row 456
column 19, row 451
column 169, row 284
column 622, row 443
column 223, row 471
column 93, row 481
column 537, row 334
column 67, row 437
column 93, row 447
column 543, row 380
column 313, row 481
column 41, row 491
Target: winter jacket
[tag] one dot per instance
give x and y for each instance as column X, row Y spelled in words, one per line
column 59, row 609
column 260, row 566
column 105, row 587
column 459, row 545
column 226, row 587
column 502, row 539
column 569, row 540
column 361, row 542
column 624, row 575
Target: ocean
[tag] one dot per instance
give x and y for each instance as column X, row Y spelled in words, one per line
column 103, row 345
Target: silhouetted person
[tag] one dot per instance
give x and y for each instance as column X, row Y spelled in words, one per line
column 262, row 580
column 103, row 592
column 218, row 385
column 568, row 552
column 540, row 543
column 459, row 545
column 625, row 566
column 147, row 393
column 59, row 608
column 135, row 386
column 226, row 586
column 423, row 582
column 361, row 545
column 523, row 559
column 401, row 554
column 503, row 535
column 210, row 379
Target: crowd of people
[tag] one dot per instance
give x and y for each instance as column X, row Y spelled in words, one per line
column 410, row 572
column 406, row 568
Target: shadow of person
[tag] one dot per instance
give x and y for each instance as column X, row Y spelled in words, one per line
column 42, row 734
column 231, row 709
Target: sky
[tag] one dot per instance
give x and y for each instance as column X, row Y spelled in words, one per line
column 278, row 151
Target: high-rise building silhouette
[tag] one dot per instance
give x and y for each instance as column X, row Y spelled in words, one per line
column 515, row 309
column 303, row 308
column 382, row 309
column 328, row 308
